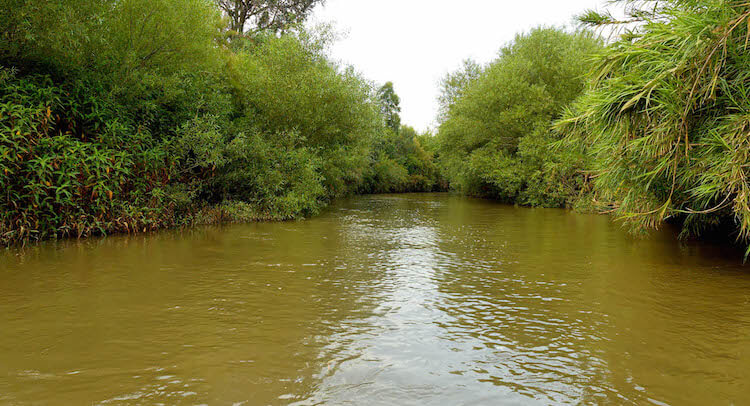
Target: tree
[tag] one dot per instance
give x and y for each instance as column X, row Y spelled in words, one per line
column 390, row 106
column 455, row 83
column 257, row 15
column 495, row 133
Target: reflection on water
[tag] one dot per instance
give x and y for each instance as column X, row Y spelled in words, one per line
column 414, row 299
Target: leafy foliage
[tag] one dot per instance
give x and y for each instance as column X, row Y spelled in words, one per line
column 390, row 106
column 286, row 84
column 265, row 15
column 70, row 167
column 278, row 178
column 667, row 115
column 131, row 115
column 403, row 161
column 495, row 136
column 453, row 85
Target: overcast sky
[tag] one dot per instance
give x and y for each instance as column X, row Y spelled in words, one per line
column 414, row 43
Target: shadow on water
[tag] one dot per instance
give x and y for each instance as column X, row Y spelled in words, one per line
column 411, row 299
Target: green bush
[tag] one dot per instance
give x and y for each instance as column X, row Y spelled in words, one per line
column 399, row 163
column 71, row 166
column 287, row 85
column 280, row 178
column 666, row 118
column 495, row 139
column 133, row 115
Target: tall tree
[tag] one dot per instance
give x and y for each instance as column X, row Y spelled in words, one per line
column 453, row 85
column 256, row 15
column 390, row 106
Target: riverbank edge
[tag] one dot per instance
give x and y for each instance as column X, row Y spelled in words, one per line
column 225, row 213
column 235, row 212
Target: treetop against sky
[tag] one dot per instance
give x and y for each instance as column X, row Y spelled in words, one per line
column 415, row 43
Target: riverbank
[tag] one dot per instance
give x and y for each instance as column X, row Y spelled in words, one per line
column 208, row 126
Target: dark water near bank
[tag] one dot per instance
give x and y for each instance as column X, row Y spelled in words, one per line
column 382, row 300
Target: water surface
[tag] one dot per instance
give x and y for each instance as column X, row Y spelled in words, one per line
column 381, row 300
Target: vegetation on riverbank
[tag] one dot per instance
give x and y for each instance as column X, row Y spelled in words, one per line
column 496, row 132
column 665, row 122
column 134, row 115
column 652, row 127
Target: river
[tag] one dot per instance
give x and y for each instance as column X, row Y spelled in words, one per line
column 427, row 299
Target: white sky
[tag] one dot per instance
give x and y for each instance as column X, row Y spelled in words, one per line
column 414, row 43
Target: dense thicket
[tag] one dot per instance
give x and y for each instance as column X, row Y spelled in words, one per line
column 401, row 160
column 655, row 123
column 132, row 115
column 495, row 136
column 666, row 119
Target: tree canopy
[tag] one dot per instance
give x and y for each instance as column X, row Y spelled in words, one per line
column 496, row 130
column 258, row 15
column 390, row 106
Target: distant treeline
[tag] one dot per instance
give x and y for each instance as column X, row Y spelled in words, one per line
column 134, row 115
column 652, row 125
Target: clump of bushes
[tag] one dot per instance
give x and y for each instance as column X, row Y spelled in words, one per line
column 70, row 165
column 496, row 138
column 665, row 120
column 109, row 128
column 402, row 161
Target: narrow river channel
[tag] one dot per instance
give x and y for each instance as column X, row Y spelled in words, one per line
column 381, row 300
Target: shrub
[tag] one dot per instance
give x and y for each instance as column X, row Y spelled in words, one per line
column 667, row 115
column 495, row 138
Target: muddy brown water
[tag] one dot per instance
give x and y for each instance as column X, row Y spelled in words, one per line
column 381, row 300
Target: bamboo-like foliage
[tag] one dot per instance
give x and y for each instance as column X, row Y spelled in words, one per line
column 667, row 115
